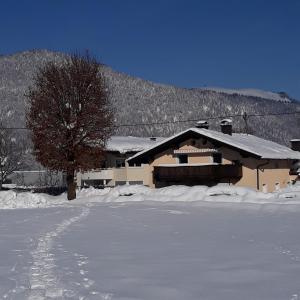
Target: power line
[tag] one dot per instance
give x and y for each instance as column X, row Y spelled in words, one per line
column 207, row 118
column 182, row 121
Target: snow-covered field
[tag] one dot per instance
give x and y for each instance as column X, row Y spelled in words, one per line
column 135, row 243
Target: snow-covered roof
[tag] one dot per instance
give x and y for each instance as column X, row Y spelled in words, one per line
column 125, row 144
column 246, row 142
column 253, row 144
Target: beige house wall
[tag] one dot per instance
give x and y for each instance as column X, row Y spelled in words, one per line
column 199, row 159
column 132, row 174
column 275, row 171
column 166, row 157
column 275, row 175
column 272, row 175
column 249, row 178
column 141, row 173
column 120, row 174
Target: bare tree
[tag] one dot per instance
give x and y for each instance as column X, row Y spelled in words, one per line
column 69, row 116
column 12, row 153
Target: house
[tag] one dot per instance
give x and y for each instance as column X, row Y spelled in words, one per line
column 203, row 156
column 114, row 169
column 36, row 178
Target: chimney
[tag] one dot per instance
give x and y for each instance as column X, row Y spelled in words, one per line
column 202, row 124
column 295, row 144
column 226, row 126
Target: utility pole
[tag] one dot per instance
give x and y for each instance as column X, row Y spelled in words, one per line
column 245, row 117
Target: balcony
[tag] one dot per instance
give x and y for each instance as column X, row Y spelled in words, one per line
column 201, row 174
column 99, row 174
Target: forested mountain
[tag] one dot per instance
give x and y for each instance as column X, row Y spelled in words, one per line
column 140, row 101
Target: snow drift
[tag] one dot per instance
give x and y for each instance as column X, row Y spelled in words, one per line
column 137, row 193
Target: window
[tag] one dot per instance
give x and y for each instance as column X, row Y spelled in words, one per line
column 120, row 182
column 236, row 162
column 120, row 163
column 97, row 183
column 182, row 159
column 138, row 164
column 136, row 182
column 103, row 164
column 217, row 158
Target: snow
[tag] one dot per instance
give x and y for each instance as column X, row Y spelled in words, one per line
column 226, row 121
column 202, row 122
column 139, row 193
column 131, row 242
column 3, row 160
column 250, row 92
column 125, row 144
column 265, row 149
column 11, row 199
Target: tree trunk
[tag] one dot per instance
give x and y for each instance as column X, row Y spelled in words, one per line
column 71, row 185
column 1, row 179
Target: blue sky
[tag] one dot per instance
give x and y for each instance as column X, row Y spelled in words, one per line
column 226, row 43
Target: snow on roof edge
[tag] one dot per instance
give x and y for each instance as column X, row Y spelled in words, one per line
column 125, row 144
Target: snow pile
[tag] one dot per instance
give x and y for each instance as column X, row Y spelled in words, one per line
column 122, row 193
column 138, row 193
column 181, row 193
column 11, row 199
column 290, row 192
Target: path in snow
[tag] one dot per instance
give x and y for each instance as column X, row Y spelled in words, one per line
column 28, row 266
column 44, row 282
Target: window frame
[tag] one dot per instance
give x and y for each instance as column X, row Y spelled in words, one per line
column 219, row 156
column 179, row 157
column 120, row 165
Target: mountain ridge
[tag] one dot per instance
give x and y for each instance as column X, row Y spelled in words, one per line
column 142, row 101
column 251, row 92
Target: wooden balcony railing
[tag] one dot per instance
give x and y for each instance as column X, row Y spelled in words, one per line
column 193, row 173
